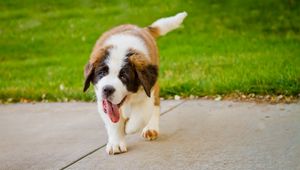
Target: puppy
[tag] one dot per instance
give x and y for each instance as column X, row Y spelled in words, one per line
column 123, row 67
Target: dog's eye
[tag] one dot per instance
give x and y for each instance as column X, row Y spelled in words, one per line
column 129, row 54
column 102, row 72
column 123, row 76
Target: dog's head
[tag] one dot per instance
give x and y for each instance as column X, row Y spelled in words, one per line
column 117, row 73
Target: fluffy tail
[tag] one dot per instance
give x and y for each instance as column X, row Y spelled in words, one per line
column 164, row 25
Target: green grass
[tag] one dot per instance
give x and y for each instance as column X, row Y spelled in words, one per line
column 225, row 46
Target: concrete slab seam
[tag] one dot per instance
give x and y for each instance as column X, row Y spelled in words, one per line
column 100, row 147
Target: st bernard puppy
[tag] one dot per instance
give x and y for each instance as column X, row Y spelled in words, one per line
column 123, row 67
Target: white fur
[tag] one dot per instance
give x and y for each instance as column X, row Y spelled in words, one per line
column 168, row 24
column 114, row 62
column 142, row 115
column 138, row 108
column 116, row 137
column 123, row 42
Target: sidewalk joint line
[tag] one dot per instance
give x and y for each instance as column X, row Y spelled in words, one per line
column 100, row 147
column 80, row 158
column 172, row 108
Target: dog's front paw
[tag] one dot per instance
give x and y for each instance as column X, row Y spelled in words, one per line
column 150, row 134
column 116, row 148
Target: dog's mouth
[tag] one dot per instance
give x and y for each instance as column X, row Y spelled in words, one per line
column 113, row 110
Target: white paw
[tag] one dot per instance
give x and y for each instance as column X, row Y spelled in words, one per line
column 116, row 148
column 149, row 134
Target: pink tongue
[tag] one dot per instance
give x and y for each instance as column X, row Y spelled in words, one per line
column 112, row 110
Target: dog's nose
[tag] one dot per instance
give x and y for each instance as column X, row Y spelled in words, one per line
column 108, row 90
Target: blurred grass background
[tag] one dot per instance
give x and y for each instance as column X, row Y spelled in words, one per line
column 225, row 46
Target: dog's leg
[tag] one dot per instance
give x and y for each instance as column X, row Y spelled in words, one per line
column 116, row 138
column 134, row 123
column 116, row 135
column 151, row 131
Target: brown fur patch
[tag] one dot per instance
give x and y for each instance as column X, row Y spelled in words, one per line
column 88, row 74
column 150, row 42
column 97, row 56
column 142, row 33
column 156, row 95
column 138, row 59
column 154, row 31
column 150, row 134
column 147, row 72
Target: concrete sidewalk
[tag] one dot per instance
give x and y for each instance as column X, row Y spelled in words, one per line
column 195, row 134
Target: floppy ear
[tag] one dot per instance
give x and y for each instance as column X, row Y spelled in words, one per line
column 146, row 72
column 98, row 55
column 89, row 75
column 148, row 77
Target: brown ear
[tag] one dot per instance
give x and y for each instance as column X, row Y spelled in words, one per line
column 98, row 55
column 147, row 73
column 148, row 77
column 89, row 75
